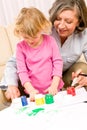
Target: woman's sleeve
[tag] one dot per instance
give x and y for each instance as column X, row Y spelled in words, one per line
column 10, row 73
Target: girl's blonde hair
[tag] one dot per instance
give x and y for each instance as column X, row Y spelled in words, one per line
column 31, row 21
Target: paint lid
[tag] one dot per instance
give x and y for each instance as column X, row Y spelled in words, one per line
column 49, row 99
column 37, row 96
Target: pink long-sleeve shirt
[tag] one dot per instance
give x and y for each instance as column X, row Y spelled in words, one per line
column 39, row 65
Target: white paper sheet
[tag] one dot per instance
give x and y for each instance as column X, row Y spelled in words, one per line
column 66, row 113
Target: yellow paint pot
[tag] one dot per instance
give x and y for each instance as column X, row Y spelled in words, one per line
column 39, row 99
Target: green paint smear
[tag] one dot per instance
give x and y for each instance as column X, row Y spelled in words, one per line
column 19, row 111
column 35, row 111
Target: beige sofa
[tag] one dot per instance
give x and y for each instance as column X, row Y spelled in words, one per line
column 7, row 45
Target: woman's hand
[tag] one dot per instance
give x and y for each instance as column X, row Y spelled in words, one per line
column 12, row 92
column 81, row 80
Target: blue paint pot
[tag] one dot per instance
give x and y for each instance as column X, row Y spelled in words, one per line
column 24, row 101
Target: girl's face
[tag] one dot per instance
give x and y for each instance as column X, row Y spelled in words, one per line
column 33, row 42
column 66, row 23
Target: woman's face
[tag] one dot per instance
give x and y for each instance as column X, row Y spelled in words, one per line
column 66, row 23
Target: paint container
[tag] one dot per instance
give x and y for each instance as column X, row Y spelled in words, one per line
column 71, row 90
column 24, row 101
column 49, row 99
column 16, row 103
column 39, row 99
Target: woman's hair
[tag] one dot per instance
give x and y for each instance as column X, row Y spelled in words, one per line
column 79, row 5
column 31, row 21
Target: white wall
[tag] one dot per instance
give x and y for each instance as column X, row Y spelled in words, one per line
column 43, row 5
column 86, row 2
column 10, row 8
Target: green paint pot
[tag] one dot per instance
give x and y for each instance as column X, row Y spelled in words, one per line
column 49, row 99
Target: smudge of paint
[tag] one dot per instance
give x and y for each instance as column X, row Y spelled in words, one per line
column 35, row 111
column 20, row 110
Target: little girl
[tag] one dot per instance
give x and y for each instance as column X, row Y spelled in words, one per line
column 39, row 64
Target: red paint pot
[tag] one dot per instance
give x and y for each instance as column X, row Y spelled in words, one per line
column 71, row 90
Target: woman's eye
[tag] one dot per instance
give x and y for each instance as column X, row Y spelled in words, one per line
column 58, row 19
column 69, row 22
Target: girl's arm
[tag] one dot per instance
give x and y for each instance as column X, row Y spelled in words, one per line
column 23, row 72
column 30, row 90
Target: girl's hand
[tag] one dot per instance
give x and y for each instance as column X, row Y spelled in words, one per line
column 30, row 90
column 32, row 95
column 51, row 90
